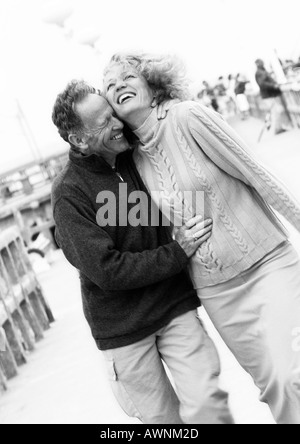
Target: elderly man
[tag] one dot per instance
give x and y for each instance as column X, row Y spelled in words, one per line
column 137, row 296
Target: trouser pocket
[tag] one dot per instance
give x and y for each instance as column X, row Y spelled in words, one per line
column 121, row 392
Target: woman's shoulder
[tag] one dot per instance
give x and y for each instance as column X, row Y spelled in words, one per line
column 184, row 108
column 184, row 111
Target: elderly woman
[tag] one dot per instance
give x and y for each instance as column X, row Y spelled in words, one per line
column 247, row 274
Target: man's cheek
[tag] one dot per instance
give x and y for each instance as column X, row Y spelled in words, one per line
column 105, row 138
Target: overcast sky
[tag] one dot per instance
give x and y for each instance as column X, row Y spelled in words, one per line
column 213, row 37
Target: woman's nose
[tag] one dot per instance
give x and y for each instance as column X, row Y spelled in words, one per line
column 120, row 85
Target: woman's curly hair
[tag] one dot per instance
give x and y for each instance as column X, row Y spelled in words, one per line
column 165, row 74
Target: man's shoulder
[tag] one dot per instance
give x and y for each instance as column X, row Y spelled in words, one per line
column 66, row 185
column 62, row 179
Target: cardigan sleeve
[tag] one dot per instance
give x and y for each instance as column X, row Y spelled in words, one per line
column 230, row 153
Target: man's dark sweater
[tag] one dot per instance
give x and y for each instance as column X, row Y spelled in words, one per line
column 133, row 279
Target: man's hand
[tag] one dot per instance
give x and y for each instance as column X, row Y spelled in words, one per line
column 193, row 234
column 163, row 108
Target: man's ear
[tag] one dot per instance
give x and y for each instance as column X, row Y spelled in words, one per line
column 78, row 141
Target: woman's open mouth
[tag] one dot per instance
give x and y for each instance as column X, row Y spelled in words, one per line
column 124, row 98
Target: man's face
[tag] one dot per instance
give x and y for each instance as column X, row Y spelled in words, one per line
column 103, row 131
column 126, row 91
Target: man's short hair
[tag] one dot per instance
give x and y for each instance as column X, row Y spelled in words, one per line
column 64, row 115
column 259, row 62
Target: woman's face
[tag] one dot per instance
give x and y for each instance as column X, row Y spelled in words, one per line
column 129, row 94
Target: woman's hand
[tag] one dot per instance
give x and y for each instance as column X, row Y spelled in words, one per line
column 193, row 234
column 163, row 108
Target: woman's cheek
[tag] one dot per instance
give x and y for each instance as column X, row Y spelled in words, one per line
column 109, row 98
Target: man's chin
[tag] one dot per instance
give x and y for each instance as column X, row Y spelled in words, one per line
column 121, row 147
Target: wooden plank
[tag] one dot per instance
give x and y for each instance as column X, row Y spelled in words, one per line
column 3, row 379
column 32, row 319
column 18, row 295
column 19, row 203
column 25, row 329
column 8, row 362
column 14, row 339
column 2, row 339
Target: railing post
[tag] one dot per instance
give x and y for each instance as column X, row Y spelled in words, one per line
column 14, row 340
column 8, row 364
column 25, row 304
column 29, row 270
column 24, row 313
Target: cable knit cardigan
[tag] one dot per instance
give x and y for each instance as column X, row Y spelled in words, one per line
column 194, row 149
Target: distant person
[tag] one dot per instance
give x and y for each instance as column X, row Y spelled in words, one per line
column 137, row 296
column 241, row 98
column 271, row 95
column 220, row 86
column 297, row 64
column 210, row 92
column 231, row 93
column 223, row 97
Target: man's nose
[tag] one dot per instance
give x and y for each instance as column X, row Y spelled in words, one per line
column 117, row 124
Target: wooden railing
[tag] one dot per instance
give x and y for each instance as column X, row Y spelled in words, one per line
column 24, row 312
column 291, row 96
column 25, row 199
column 29, row 178
column 290, row 99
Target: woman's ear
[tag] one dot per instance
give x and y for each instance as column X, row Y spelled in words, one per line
column 78, row 141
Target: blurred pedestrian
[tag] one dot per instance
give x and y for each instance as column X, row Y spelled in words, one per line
column 297, row 64
column 210, row 95
column 271, row 95
column 241, row 98
column 231, row 93
column 221, row 93
column 220, row 86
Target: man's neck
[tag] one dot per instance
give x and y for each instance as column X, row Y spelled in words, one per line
column 110, row 159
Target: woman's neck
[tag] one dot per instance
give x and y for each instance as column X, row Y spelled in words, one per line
column 136, row 119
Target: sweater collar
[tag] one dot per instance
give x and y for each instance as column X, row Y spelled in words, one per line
column 149, row 129
column 92, row 162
